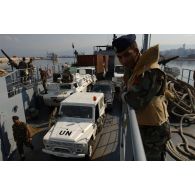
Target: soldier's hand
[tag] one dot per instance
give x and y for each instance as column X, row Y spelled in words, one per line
column 29, row 139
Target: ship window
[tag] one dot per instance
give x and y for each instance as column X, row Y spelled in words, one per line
column 76, row 111
column 89, row 71
column 15, row 109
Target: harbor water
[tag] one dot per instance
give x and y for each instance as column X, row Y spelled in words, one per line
column 183, row 64
column 44, row 63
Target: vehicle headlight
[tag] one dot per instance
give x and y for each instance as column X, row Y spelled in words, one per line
column 45, row 142
column 79, row 148
column 79, row 145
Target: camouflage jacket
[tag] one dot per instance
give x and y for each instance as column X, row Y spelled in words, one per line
column 20, row 131
column 147, row 89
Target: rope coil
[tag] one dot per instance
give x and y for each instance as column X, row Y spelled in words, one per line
column 182, row 106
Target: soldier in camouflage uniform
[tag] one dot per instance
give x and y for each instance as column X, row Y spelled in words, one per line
column 43, row 75
column 21, row 136
column 67, row 76
column 23, row 70
column 145, row 84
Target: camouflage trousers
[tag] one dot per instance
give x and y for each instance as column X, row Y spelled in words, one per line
column 154, row 140
column 44, row 83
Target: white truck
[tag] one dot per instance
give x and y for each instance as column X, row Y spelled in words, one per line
column 81, row 116
column 118, row 76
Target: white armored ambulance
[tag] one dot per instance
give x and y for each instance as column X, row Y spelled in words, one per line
column 90, row 70
column 57, row 92
column 81, row 117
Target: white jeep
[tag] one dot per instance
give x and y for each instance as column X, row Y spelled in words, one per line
column 81, row 117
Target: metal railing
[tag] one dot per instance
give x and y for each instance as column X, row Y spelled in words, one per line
column 19, row 78
column 131, row 145
column 189, row 79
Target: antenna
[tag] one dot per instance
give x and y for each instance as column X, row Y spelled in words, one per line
column 146, row 42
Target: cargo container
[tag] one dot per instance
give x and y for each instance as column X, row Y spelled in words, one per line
column 100, row 62
column 108, row 51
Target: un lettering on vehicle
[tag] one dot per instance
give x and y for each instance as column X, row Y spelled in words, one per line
column 68, row 133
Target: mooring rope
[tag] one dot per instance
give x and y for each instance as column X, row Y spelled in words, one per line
column 185, row 103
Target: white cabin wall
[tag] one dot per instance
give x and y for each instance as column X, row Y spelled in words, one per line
column 7, row 111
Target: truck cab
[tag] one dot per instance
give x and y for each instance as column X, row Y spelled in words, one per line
column 118, row 76
column 81, row 116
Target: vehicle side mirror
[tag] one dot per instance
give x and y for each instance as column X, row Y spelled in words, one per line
column 98, row 120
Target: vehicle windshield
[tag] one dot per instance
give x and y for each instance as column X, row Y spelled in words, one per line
column 65, row 86
column 119, row 69
column 77, row 111
column 53, row 87
column 102, row 88
column 81, row 71
column 89, row 71
column 85, row 71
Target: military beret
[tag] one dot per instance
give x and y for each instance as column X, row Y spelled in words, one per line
column 123, row 42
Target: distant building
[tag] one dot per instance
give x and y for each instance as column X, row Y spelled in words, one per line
column 181, row 52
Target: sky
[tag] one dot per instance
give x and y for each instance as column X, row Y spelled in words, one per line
column 40, row 44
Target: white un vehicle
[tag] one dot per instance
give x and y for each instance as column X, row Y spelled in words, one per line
column 81, row 117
